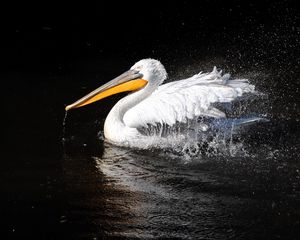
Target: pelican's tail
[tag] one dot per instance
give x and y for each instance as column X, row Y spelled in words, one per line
column 235, row 125
column 248, row 121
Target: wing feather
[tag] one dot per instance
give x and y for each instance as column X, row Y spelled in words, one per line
column 186, row 99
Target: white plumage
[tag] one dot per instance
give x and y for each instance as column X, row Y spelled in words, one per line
column 169, row 103
column 186, row 99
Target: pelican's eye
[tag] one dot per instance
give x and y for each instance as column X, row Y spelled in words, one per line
column 138, row 68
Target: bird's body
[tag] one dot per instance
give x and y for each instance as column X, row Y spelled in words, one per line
column 167, row 104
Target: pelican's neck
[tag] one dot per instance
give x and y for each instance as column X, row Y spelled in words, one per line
column 115, row 129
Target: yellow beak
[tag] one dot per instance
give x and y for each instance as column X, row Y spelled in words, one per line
column 128, row 81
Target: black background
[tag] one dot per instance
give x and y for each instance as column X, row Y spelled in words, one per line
column 41, row 36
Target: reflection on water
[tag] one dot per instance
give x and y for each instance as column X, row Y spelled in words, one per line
column 125, row 193
column 249, row 191
column 165, row 200
column 244, row 187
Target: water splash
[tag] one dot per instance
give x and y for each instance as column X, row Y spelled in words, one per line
column 197, row 138
column 211, row 136
column 63, row 139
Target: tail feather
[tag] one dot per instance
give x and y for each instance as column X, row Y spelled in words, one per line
column 235, row 125
column 248, row 121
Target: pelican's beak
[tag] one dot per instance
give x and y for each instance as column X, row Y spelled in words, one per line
column 131, row 80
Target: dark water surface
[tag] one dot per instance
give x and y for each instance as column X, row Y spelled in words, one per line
column 61, row 180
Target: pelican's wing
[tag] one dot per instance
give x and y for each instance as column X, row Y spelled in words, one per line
column 186, row 99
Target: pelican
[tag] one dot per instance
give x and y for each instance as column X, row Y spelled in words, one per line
column 151, row 102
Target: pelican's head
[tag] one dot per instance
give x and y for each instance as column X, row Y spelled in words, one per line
column 152, row 70
column 146, row 72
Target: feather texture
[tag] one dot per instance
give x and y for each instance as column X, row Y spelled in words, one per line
column 186, row 99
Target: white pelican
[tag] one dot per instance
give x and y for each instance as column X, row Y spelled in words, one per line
column 151, row 102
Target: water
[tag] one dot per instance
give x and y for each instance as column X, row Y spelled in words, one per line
column 153, row 194
column 244, row 186
column 165, row 197
column 64, row 129
column 86, row 188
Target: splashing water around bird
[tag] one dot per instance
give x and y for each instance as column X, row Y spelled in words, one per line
column 64, row 129
column 188, row 116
